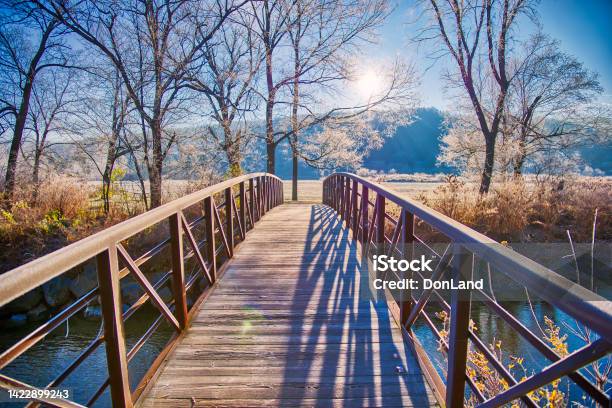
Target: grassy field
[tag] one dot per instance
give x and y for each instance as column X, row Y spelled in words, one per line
column 310, row 190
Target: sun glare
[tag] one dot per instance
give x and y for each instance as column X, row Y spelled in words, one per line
column 368, row 83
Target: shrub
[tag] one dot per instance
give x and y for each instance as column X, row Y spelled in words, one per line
column 40, row 221
column 520, row 210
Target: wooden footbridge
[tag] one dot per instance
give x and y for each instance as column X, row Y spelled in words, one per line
column 272, row 305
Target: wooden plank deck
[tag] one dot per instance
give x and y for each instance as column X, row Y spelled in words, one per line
column 291, row 324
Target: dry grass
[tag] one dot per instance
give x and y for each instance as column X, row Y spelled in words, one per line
column 68, row 209
column 61, row 212
column 525, row 210
column 529, row 211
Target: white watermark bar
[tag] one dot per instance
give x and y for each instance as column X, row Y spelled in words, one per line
column 418, row 267
column 22, row 395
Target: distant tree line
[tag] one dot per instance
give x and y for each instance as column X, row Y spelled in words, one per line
column 159, row 85
column 521, row 101
column 142, row 80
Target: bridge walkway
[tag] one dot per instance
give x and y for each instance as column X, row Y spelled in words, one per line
column 292, row 322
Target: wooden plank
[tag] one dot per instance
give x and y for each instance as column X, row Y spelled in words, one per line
column 315, row 370
column 295, row 390
column 373, row 401
column 295, row 325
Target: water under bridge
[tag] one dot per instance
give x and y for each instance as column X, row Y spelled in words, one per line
column 272, row 304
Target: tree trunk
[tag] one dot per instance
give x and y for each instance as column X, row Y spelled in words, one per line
column 22, row 114
column 295, row 106
column 519, row 160
column 35, row 174
column 294, row 176
column 521, row 156
column 234, row 159
column 155, row 187
column 487, row 171
column 20, row 120
column 155, row 168
column 108, row 172
column 270, row 144
column 271, row 160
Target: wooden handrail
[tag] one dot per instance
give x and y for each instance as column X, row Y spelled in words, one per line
column 349, row 195
column 21, row 280
column 264, row 192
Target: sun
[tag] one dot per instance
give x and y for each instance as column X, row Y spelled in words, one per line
column 368, row 83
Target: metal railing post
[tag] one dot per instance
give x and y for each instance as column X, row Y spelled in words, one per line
column 242, row 208
column 380, row 223
column 252, row 201
column 209, row 220
column 229, row 220
column 407, row 240
column 340, row 195
column 347, row 203
column 260, row 209
column 178, row 269
column 110, row 301
column 459, row 327
column 264, row 194
column 354, row 214
column 333, row 192
column 276, row 192
column 365, row 205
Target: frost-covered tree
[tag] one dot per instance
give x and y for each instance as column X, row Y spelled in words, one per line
column 550, row 109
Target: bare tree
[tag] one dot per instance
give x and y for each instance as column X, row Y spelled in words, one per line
column 51, row 103
column 98, row 125
column 477, row 34
column 550, row 110
column 153, row 45
column 547, row 100
column 30, row 42
column 270, row 20
column 227, row 81
column 324, row 36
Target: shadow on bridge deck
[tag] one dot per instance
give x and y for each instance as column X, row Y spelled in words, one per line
column 293, row 322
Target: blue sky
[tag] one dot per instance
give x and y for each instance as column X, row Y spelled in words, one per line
column 584, row 29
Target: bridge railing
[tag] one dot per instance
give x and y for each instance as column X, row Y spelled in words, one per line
column 226, row 211
column 364, row 207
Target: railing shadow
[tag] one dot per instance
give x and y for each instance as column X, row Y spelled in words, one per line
column 360, row 361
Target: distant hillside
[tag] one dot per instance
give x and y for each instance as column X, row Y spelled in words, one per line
column 414, row 148
column 598, row 157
